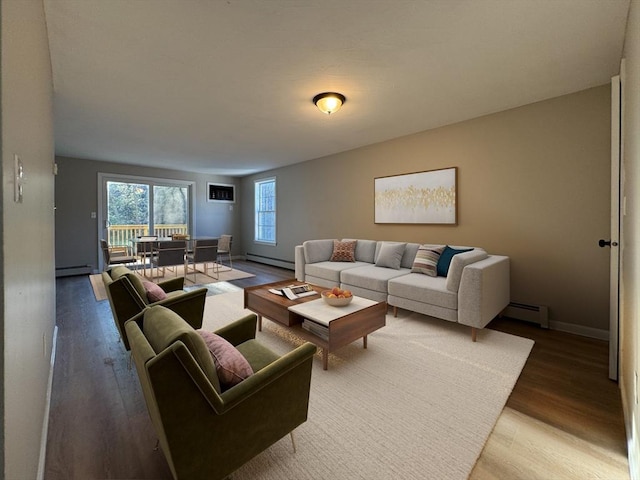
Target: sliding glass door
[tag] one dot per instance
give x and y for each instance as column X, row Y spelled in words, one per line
column 170, row 210
column 127, row 209
column 134, row 206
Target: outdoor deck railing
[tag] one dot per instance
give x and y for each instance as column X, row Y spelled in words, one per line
column 122, row 234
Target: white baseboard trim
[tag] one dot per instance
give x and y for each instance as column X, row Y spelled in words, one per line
column 47, row 408
column 271, row 261
column 580, row 330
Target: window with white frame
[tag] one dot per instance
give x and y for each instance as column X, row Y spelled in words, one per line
column 265, row 211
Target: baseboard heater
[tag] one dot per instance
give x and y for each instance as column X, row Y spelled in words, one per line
column 530, row 313
column 276, row 262
column 75, row 270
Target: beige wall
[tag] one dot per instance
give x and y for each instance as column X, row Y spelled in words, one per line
column 27, row 239
column 533, row 184
column 630, row 308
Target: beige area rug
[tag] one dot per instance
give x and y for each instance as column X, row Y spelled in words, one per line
column 214, row 285
column 419, row 403
column 97, row 284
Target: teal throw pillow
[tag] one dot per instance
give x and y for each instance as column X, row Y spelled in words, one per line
column 445, row 259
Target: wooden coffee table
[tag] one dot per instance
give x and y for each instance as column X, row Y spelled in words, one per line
column 343, row 325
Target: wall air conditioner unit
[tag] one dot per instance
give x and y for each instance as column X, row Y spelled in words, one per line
column 529, row 313
column 221, row 192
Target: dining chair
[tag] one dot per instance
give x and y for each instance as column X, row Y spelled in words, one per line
column 169, row 253
column 116, row 254
column 205, row 251
column 224, row 248
column 143, row 246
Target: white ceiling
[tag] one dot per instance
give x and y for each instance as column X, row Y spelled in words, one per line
column 225, row 86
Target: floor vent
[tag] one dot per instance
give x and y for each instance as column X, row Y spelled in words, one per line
column 530, row 313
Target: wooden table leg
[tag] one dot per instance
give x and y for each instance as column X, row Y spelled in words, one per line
column 364, row 342
column 259, row 323
column 325, row 358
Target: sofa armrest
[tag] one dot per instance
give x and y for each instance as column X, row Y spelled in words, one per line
column 484, row 291
column 299, row 359
column 240, row 330
column 300, row 263
column 189, row 305
column 172, row 285
column 287, row 364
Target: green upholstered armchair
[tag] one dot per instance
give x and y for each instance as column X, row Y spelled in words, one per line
column 128, row 297
column 205, row 432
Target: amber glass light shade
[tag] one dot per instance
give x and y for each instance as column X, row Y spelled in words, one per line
column 329, row 102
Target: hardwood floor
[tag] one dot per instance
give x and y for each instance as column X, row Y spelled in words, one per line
column 563, row 419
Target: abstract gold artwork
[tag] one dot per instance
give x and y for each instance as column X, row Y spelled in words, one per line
column 422, row 197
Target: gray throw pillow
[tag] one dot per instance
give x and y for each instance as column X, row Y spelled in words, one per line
column 390, row 255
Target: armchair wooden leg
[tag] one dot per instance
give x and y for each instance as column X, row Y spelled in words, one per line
column 474, row 334
column 293, row 441
column 395, row 311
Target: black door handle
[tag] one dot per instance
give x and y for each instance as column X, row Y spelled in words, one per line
column 607, row 243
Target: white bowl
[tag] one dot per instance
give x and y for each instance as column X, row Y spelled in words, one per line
column 335, row 301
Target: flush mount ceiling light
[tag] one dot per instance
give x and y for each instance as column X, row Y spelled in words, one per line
column 329, row 102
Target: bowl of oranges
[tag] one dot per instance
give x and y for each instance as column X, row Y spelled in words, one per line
column 337, row 297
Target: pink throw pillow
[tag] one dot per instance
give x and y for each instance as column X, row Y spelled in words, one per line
column 155, row 293
column 231, row 366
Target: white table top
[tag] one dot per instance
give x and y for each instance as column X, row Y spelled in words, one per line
column 321, row 312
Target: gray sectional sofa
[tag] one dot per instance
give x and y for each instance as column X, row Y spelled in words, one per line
column 472, row 290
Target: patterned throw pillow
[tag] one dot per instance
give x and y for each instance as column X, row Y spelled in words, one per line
column 344, row 251
column 231, row 366
column 426, row 260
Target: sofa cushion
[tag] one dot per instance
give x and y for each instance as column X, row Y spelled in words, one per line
column 257, row 354
column 409, row 255
column 370, row 277
column 365, row 249
column 163, row 327
column 330, row 270
column 343, row 251
column 445, row 259
column 231, row 366
column 317, row 250
column 390, row 255
column 426, row 260
column 424, row 289
column 155, row 293
column 458, row 262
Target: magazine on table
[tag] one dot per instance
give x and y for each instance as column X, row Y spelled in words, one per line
column 293, row 292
